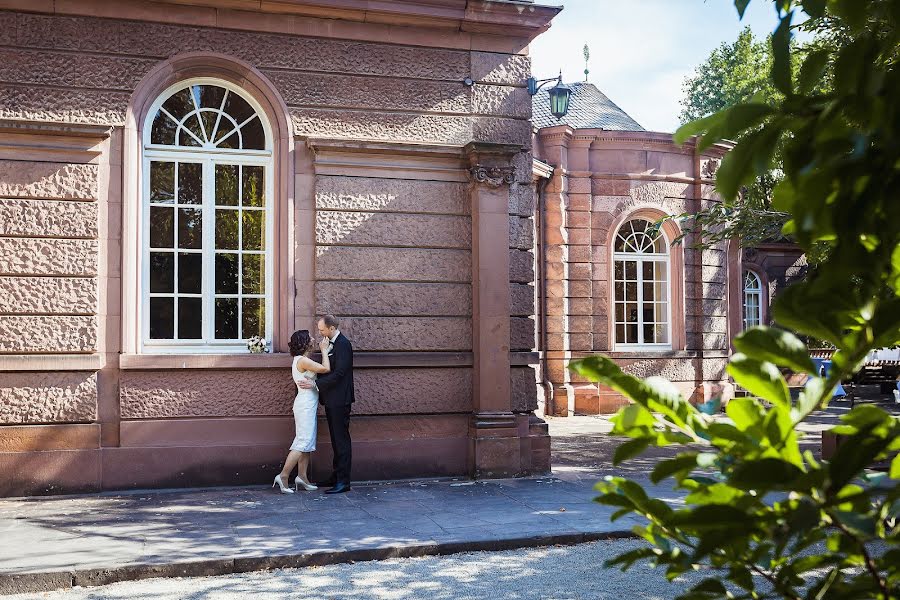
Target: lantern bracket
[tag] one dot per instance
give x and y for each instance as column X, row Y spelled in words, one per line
column 536, row 84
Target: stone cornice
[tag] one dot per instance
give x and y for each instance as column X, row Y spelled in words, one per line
column 62, row 142
column 399, row 160
column 465, row 24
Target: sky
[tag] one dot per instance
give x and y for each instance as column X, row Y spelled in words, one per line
column 642, row 50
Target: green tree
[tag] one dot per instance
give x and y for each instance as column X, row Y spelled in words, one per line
column 732, row 74
column 760, row 514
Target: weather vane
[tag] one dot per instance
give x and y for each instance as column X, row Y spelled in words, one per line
column 587, row 56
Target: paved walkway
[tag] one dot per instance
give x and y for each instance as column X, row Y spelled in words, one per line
column 58, row 542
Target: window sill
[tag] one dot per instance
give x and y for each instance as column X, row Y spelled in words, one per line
column 278, row 360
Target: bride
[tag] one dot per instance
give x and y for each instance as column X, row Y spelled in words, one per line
column 306, row 405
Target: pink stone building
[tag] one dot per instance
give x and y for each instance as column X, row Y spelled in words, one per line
column 607, row 284
column 176, row 177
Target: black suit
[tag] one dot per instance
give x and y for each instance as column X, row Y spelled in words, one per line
column 336, row 393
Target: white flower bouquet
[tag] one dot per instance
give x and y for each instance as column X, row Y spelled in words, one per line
column 257, row 345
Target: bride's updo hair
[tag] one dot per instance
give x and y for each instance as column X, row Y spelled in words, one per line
column 300, row 342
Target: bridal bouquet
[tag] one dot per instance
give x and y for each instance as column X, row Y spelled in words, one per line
column 257, row 345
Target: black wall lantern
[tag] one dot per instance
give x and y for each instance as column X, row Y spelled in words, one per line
column 559, row 94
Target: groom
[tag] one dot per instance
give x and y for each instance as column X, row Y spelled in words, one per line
column 336, row 393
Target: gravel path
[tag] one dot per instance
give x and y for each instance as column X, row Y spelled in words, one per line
column 555, row 573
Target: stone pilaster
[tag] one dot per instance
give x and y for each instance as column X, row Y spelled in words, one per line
column 494, row 432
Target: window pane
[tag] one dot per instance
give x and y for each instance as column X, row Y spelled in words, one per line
column 648, row 292
column 190, row 318
column 662, row 334
column 648, row 334
column 660, row 289
column 227, row 185
column 190, row 228
column 186, row 139
column 620, row 312
column 162, row 272
column 630, row 270
column 631, row 290
column 631, row 312
column 232, row 141
column 190, row 273
column 660, row 271
column 162, row 182
column 226, row 229
column 162, row 227
column 162, row 318
column 238, row 108
column 619, row 271
column 660, row 310
column 647, row 270
column 190, row 183
column 192, row 124
column 253, row 136
column 226, row 318
column 179, row 104
column 211, row 96
column 252, row 229
column 253, row 274
column 253, row 317
column 252, row 181
column 163, row 130
column 226, row 274
column 620, row 291
column 631, row 332
column 208, row 118
column 647, row 311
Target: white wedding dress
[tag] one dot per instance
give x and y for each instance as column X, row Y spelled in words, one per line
column 306, row 405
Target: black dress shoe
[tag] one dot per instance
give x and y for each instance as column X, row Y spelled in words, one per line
column 339, row 489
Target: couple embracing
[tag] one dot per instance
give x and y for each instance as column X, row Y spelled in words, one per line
column 329, row 383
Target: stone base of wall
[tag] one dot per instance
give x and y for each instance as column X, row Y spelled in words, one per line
column 242, row 451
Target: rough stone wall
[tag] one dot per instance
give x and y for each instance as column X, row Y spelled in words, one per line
column 782, row 265
column 49, row 295
column 63, row 71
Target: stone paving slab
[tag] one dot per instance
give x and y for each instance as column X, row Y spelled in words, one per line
column 57, row 542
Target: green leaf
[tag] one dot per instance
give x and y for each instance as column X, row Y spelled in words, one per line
column 741, row 6
column 781, row 55
column 776, row 346
column 655, row 394
column 745, row 412
column 711, row 517
column 717, row 493
column 630, row 449
column 812, row 70
column 814, row 8
column 697, row 127
column 760, row 378
column 764, row 474
column 633, row 416
column 810, row 396
column 895, row 468
column 679, row 466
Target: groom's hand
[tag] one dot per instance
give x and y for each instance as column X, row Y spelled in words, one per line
column 305, row 384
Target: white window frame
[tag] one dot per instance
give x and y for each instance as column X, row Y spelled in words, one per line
column 751, row 291
column 641, row 258
column 208, row 157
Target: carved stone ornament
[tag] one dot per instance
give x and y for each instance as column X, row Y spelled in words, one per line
column 709, row 168
column 493, row 176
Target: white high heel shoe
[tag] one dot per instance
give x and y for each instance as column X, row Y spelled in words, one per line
column 280, row 484
column 298, row 483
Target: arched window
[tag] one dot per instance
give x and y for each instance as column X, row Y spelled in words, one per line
column 752, row 299
column 207, row 220
column 641, row 287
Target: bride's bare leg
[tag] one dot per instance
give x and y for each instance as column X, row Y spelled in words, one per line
column 303, row 466
column 290, row 462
